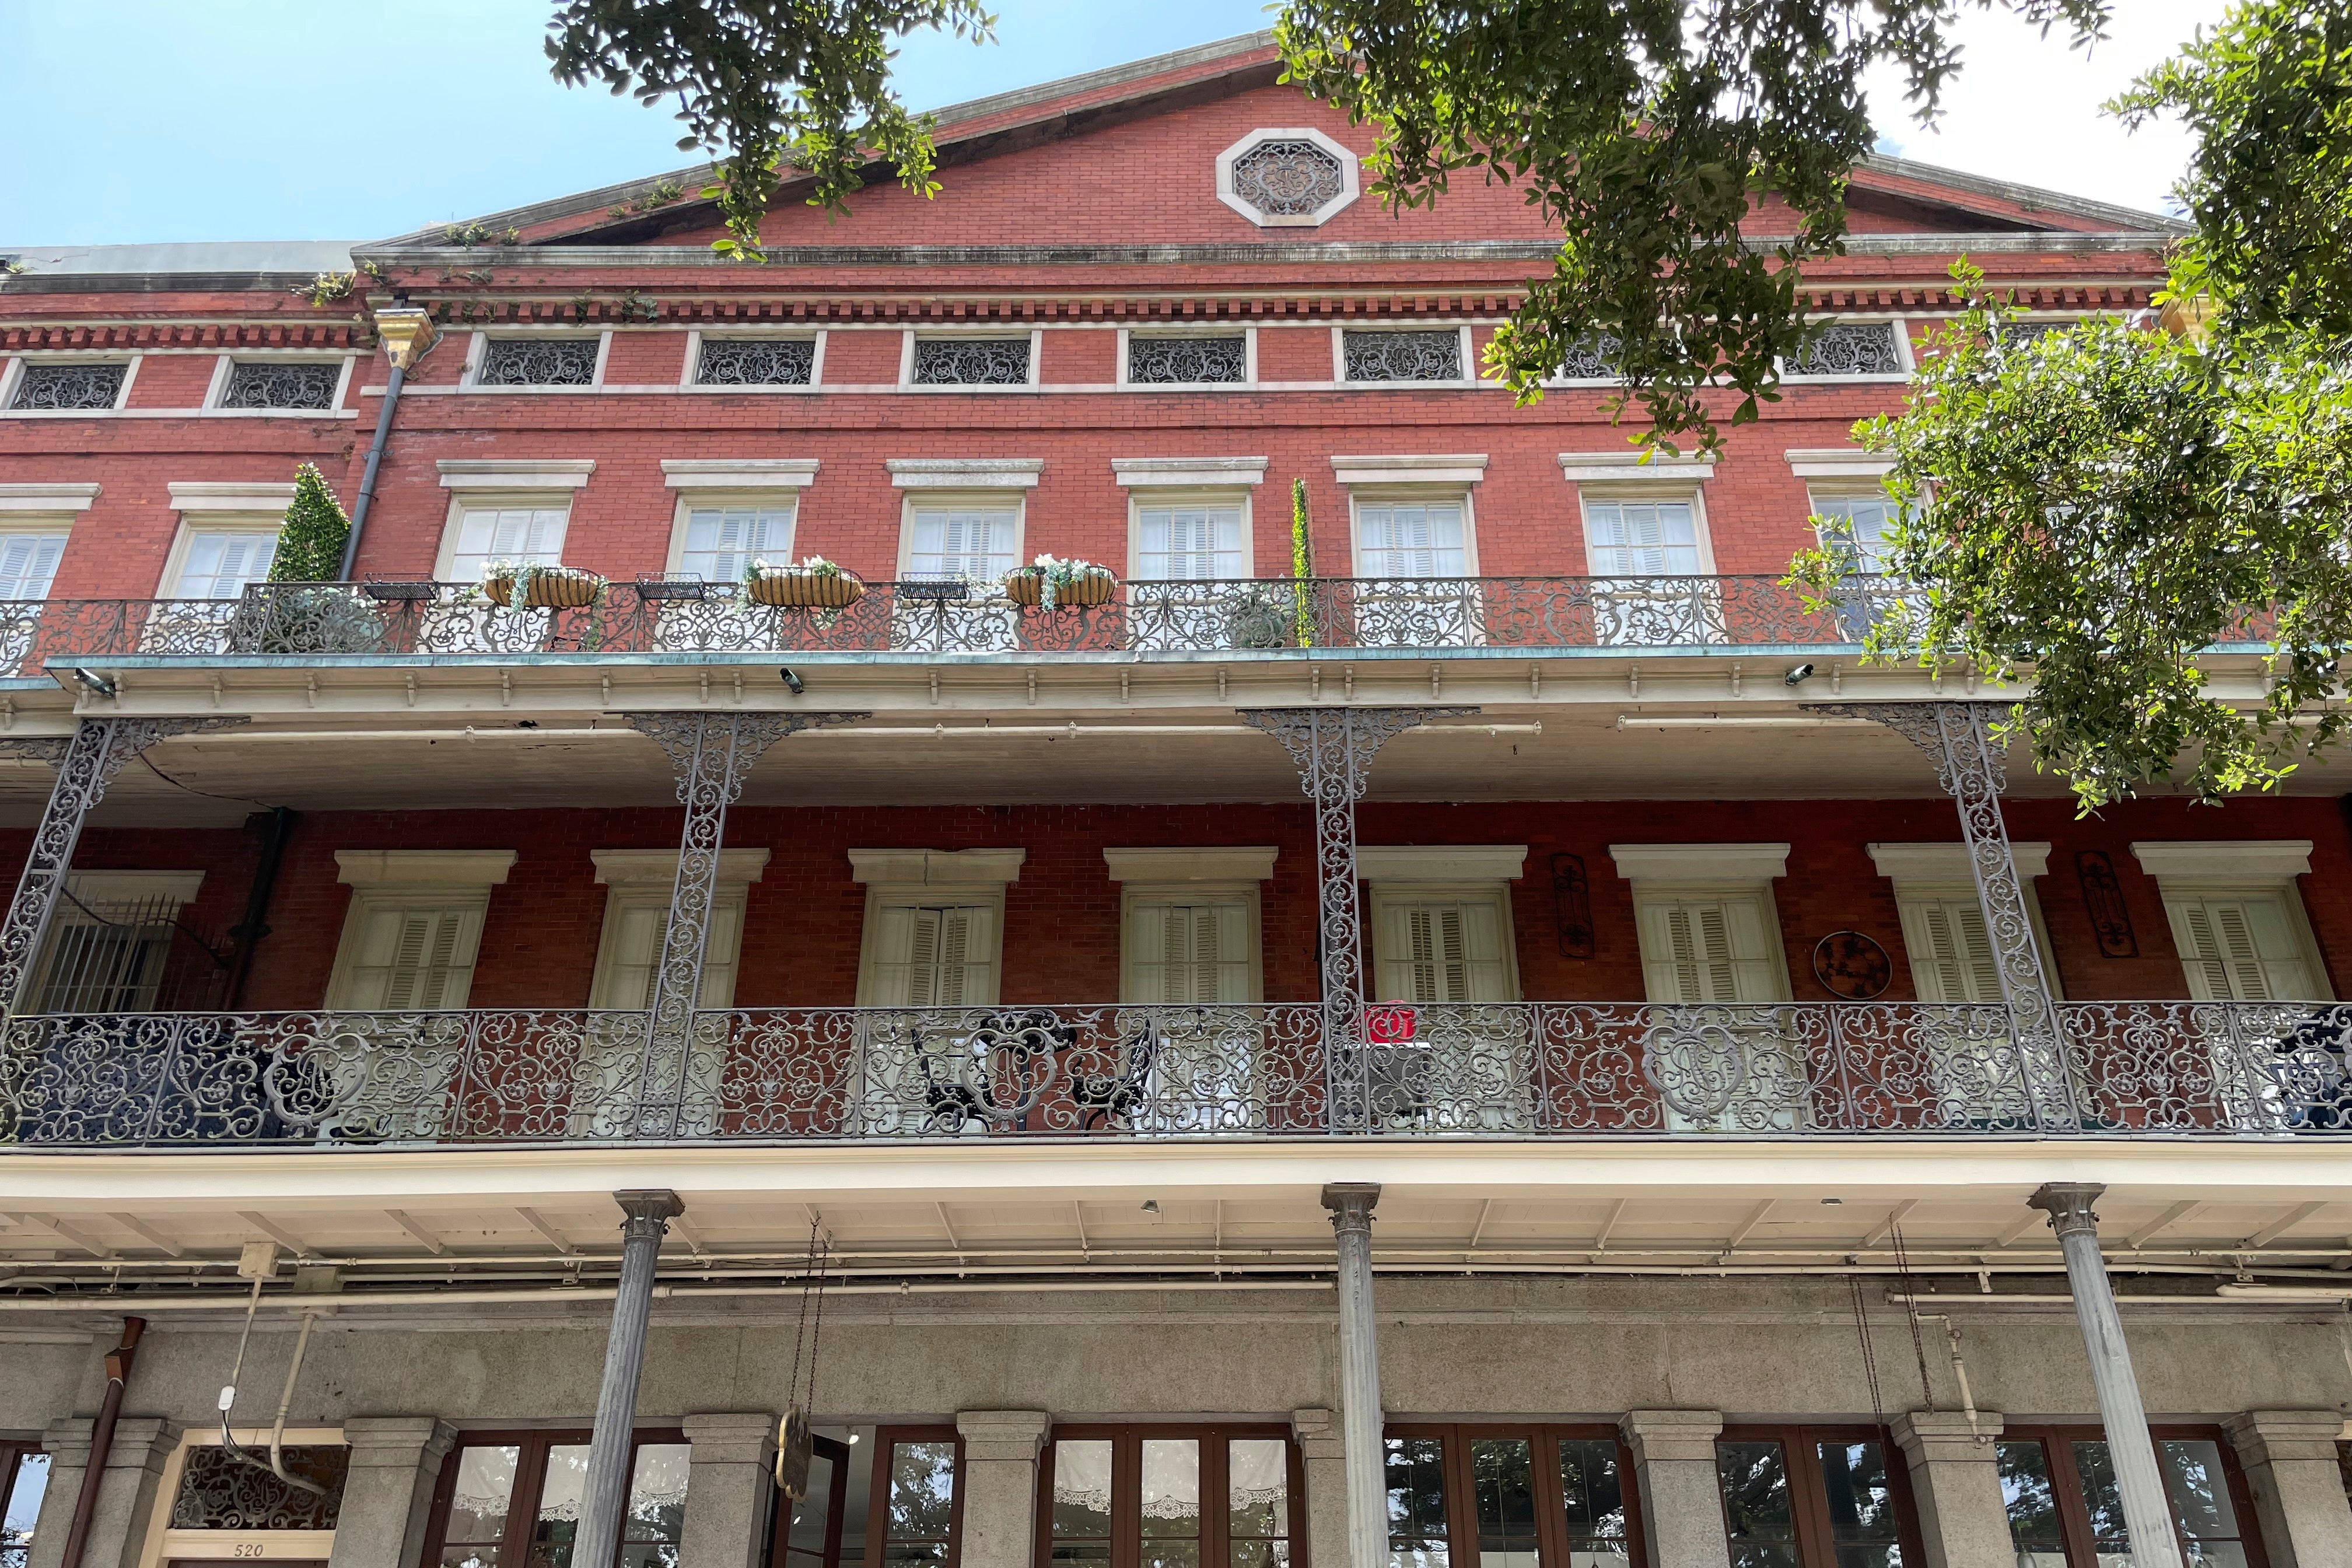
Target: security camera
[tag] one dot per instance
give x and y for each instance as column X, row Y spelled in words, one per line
column 97, row 683
column 1798, row 675
column 793, row 680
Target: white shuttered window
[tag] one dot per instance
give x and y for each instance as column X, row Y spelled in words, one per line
column 1641, row 539
column 219, row 562
column 1190, row 544
column 527, row 535
column 722, row 541
column 28, row 563
column 971, row 544
column 631, row 952
column 1710, row 948
column 1950, row 950
column 1400, row 539
column 2240, row 947
column 412, row 957
column 1442, row 950
column 1187, row 953
column 932, row 955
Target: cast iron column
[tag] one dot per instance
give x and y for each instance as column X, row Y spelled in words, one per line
column 606, row 1489
column 2148, row 1513
column 1350, row 1203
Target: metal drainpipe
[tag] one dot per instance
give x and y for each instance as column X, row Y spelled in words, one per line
column 102, row 1441
column 254, row 926
column 407, row 332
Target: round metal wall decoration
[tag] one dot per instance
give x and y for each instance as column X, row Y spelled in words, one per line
column 1852, row 966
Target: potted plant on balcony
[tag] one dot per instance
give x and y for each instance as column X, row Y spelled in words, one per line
column 815, row 584
column 1056, row 583
column 531, row 586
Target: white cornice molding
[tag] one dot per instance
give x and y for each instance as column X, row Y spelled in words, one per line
column 964, row 473
column 133, row 887
column 1700, row 862
column 739, row 474
column 1630, row 468
column 937, row 868
column 213, row 495
column 515, row 473
column 1401, row 469
column 47, row 498
column 1191, row 472
column 1837, row 463
column 1441, row 862
column 633, row 867
column 2225, row 860
column 1949, row 864
column 1218, row 863
column 416, row 867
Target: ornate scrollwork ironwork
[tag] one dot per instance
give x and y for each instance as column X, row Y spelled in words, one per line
column 971, row 361
column 539, row 361
column 1590, row 358
column 1289, row 177
column 268, row 384
column 1402, row 355
column 220, row 1491
column 1187, row 360
column 1851, row 348
column 756, row 362
column 84, row 386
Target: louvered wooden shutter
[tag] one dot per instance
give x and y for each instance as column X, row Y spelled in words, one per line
column 1708, row 950
column 28, row 563
column 1189, row 953
column 1951, row 952
column 1443, row 950
column 2238, row 949
column 933, row 957
column 411, row 959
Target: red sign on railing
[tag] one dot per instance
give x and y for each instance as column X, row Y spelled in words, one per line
column 1390, row 1024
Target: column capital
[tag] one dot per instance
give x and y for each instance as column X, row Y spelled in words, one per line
column 2068, row 1205
column 2264, row 1436
column 1947, row 1437
column 1661, row 1435
column 1351, row 1205
column 140, row 1441
column 646, row 1212
column 1015, row 1434
column 397, row 1440
column 1317, row 1432
column 66, row 1441
column 732, row 1436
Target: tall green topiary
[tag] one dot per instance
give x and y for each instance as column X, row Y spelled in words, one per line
column 310, row 544
column 1302, row 562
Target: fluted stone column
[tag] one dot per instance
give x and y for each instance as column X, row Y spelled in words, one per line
column 126, row 1492
column 605, row 1490
column 730, row 1484
column 395, row 1461
column 1323, row 1455
column 1360, row 1422
column 1955, row 1487
column 2290, row 1462
column 1682, row 1501
column 1000, row 1486
column 2147, row 1514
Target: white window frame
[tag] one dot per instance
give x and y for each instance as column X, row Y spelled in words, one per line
column 1389, row 893
column 2242, row 868
column 412, row 878
column 1189, row 481
column 1665, row 492
column 96, row 896
column 479, row 348
column 694, row 360
column 760, row 482
column 1669, row 873
column 1150, row 877
column 1902, row 325
column 1351, row 179
column 217, row 388
column 39, row 524
column 489, row 483
column 13, row 372
column 206, row 507
column 907, row 382
column 1410, row 480
column 905, row 879
column 1459, row 873
column 1469, row 376
column 1189, row 330
column 647, row 878
column 164, row 1543
column 1941, row 872
column 948, row 482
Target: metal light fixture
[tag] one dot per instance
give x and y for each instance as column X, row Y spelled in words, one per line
column 793, row 680
column 1798, row 675
column 97, row 683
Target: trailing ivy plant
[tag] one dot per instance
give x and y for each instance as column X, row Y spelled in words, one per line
column 310, row 541
column 1302, row 563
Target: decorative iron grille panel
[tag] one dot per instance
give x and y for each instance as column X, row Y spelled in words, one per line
column 971, row 361
column 756, row 362
column 540, row 362
column 219, row 1491
column 1588, row 358
column 1402, row 356
column 1186, row 361
column 63, row 387
column 261, row 384
column 1289, row 178
column 1851, row 348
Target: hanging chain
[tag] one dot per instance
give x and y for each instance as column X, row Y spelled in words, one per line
column 799, row 1329
column 816, row 1326
column 1869, row 1356
column 805, row 1333
column 1911, row 1311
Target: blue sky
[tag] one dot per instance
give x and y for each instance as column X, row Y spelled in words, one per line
column 210, row 119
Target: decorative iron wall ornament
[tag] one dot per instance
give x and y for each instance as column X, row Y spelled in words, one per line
column 1402, row 356
column 1853, row 966
column 539, row 361
column 2103, row 899
column 1287, row 178
column 265, row 384
column 1851, row 348
column 1571, row 892
column 971, row 361
column 710, row 753
column 1187, row 360
column 756, row 362
column 220, row 1491
column 1588, row 359
column 62, row 388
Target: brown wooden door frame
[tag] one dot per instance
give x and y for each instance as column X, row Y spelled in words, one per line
column 878, row 1497
column 2067, row 1485
column 1126, row 1439
column 1551, row 1508
column 780, row 1533
column 1809, row 1495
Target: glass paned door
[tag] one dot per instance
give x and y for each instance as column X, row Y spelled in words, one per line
column 1530, row 1496
column 1142, row 1497
column 809, row 1530
column 921, row 1503
column 1813, row 1497
column 514, row 1500
column 1647, row 591
column 2066, row 1511
column 1414, row 587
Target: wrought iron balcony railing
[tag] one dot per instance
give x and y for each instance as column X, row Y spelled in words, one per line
column 327, row 1081
column 1267, row 617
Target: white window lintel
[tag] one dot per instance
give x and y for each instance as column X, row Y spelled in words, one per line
column 1717, row 863
column 134, row 887
column 1945, row 865
column 1392, row 469
column 937, row 868
column 739, row 473
column 1212, row 863
column 423, row 867
column 47, row 498
column 1837, row 463
column 636, row 867
column 1190, row 473
column 515, row 473
column 964, row 473
column 1441, row 862
column 1633, row 468
column 2225, row 862
column 212, row 495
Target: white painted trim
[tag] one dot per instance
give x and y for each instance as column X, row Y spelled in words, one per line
column 515, row 473
column 937, row 868
column 1441, row 862
column 1191, row 864
column 469, row 379
column 979, row 330
column 1628, row 468
column 1489, row 890
column 1147, row 894
column 1341, row 379
column 1703, row 537
column 1229, row 490
column 130, row 887
column 1837, row 463
column 175, row 559
column 1719, row 865
column 1397, row 469
column 629, row 867
column 692, row 364
column 1948, row 864
column 1190, row 473
column 921, row 495
column 423, row 867
column 772, row 495
column 48, row 498
column 2225, row 862
column 1351, row 179
column 1425, row 492
column 214, row 496
column 164, row 1543
column 1126, row 336
column 739, row 473
column 218, row 387
column 964, row 473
